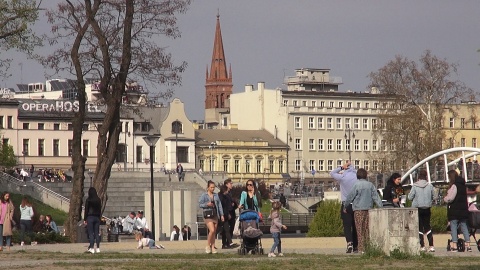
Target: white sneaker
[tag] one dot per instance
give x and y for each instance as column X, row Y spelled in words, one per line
column 22, row 244
column 161, row 246
column 208, row 250
column 97, row 250
column 271, row 255
column 431, row 249
column 423, row 249
column 91, row 250
column 214, row 250
column 280, row 255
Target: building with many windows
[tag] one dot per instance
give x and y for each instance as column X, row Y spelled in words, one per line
column 40, row 132
column 241, row 154
column 322, row 126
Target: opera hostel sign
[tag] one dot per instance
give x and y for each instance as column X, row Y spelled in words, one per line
column 58, row 106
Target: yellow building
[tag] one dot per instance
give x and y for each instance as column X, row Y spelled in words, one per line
column 461, row 124
column 241, row 154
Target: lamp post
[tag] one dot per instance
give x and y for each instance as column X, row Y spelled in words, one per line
column 151, row 140
column 90, row 174
column 212, row 146
column 177, row 127
column 125, row 147
column 351, row 134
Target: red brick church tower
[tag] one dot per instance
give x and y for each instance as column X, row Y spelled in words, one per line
column 218, row 83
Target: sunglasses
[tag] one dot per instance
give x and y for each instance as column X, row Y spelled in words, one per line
column 251, row 185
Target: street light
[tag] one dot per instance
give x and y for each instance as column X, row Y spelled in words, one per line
column 351, row 134
column 151, row 140
column 176, row 128
column 90, row 174
column 212, row 146
column 125, row 147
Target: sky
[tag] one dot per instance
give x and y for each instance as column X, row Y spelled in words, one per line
column 266, row 40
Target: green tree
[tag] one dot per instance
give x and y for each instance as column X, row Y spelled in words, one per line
column 7, row 156
column 114, row 42
column 16, row 19
column 409, row 124
column 327, row 221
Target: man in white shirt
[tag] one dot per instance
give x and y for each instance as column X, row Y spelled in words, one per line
column 142, row 226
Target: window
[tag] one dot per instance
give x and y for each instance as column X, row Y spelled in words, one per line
column 383, row 145
column 311, row 165
column 452, row 122
column 339, row 162
column 374, row 145
column 26, row 125
column 177, row 127
column 356, row 123
column 56, row 147
column 5, row 141
column 474, row 142
column 311, row 122
column 462, row 123
column 322, row 104
column 271, row 165
column 340, row 104
column 70, row 147
column 212, row 165
column 314, row 103
column 236, row 165
column 321, row 165
column 280, row 166
column 391, row 145
column 356, row 144
column 297, row 122
column 375, row 105
column 329, row 123
column 202, row 164
column 85, row 127
column 70, row 126
column 26, row 143
column 304, row 103
column 182, row 154
column 320, row 122
column 329, row 165
column 365, row 123
column 347, row 123
column 285, row 103
column 374, row 123
column 41, row 126
column 332, row 104
column 462, row 142
column 41, row 147
column 139, row 155
column 365, row 145
column 311, row 144
column 339, row 123
column 294, row 103
column 297, row 165
column 359, row 105
column 56, row 126
column 452, row 142
column 473, row 124
column 374, row 165
column 320, row 145
column 259, row 166
column 85, row 149
column 1, row 121
column 225, row 165
column 349, row 104
column 330, row 144
column 367, row 105
column 357, row 163
column 9, row 122
column 365, row 165
column 298, row 144
column 339, row 144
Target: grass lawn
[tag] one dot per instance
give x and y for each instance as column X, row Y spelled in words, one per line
column 39, row 208
column 53, row 261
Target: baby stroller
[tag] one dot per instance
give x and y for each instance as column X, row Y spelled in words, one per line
column 473, row 225
column 250, row 233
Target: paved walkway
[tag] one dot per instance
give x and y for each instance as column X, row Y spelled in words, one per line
column 301, row 245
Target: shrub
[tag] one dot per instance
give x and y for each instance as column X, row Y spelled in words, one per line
column 40, row 238
column 439, row 220
column 327, row 221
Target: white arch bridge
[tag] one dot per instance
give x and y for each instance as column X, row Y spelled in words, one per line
column 468, row 170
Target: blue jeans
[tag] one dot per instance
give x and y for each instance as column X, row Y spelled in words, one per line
column 8, row 238
column 277, row 242
column 93, row 230
column 151, row 244
column 463, row 227
column 25, row 226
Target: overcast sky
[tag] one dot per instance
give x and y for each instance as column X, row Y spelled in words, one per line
column 265, row 40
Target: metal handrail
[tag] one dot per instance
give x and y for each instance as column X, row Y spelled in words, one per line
column 12, row 179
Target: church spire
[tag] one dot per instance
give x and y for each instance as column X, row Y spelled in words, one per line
column 219, row 81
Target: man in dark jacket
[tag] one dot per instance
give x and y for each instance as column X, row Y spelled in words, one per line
column 231, row 208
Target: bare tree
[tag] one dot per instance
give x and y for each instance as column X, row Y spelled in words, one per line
column 410, row 127
column 115, row 42
column 16, row 19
